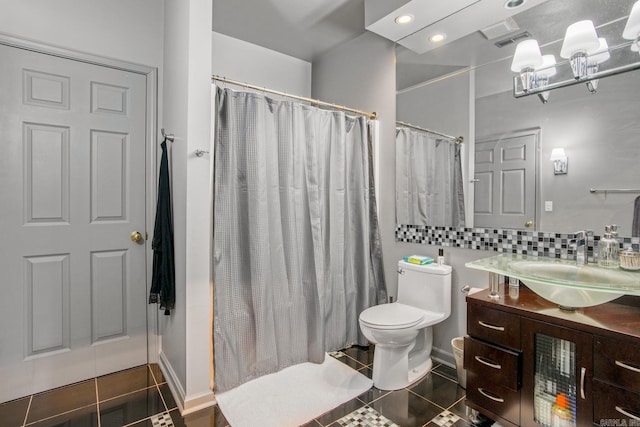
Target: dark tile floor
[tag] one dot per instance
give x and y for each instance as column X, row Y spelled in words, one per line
column 141, row 397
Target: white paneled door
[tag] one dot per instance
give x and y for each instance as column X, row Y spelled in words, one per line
column 72, row 188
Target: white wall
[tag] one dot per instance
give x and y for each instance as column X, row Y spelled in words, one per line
column 186, row 334
column 249, row 63
column 120, row 29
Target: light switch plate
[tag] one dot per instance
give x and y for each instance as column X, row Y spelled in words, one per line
column 548, row 206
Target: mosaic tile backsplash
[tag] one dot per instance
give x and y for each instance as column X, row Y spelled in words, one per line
column 537, row 243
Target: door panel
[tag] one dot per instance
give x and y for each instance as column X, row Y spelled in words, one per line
column 505, row 184
column 72, row 178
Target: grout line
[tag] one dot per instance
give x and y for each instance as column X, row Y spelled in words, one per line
column 154, row 376
column 457, row 401
column 59, row 415
column 446, row 377
column 355, row 360
column 139, row 421
column 155, row 380
column 97, row 401
column 164, row 403
column 26, row 416
column 424, row 398
column 128, row 393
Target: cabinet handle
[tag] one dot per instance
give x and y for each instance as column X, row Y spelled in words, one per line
column 583, row 373
column 495, row 328
column 488, row 362
column 629, row 367
column 489, row 395
column 628, row 413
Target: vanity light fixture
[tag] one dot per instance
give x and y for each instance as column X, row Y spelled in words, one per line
column 594, row 60
column 543, row 75
column 579, row 40
column 632, row 28
column 583, row 51
column 526, row 59
column 559, row 159
column 437, row 38
column 404, row 19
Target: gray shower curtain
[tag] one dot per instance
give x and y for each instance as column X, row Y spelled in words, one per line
column 296, row 242
column 429, row 188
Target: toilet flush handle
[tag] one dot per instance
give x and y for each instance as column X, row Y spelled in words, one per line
column 400, row 270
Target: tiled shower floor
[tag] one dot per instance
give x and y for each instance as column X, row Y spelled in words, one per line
column 141, row 397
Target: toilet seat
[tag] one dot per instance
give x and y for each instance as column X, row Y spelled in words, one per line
column 391, row 316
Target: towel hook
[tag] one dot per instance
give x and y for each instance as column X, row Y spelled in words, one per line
column 168, row 136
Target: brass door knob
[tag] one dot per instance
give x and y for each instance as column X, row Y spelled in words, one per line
column 528, row 224
column 136, row 237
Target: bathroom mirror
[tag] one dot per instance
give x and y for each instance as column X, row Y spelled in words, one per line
column 465, row 88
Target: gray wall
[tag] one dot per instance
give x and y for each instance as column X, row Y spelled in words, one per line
column 599, row 133
column 446, row 107
column 442, row 106
column 361, row 74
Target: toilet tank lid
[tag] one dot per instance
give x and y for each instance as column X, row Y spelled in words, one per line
column 432, row 268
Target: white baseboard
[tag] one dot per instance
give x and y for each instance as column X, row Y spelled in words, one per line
column 172, row 380
column 186, row 404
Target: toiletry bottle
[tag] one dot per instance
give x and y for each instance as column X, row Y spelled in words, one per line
column 608, row 250
column 440, row 256
column 560, row 413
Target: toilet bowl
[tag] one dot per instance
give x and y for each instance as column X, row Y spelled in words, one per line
column 402, row 331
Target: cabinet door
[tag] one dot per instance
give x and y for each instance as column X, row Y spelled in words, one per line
column 555, row 361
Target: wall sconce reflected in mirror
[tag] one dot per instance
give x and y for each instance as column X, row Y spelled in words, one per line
column 560, row 161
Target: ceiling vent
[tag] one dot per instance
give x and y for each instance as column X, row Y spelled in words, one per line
column 500, row 29
column 512, row 39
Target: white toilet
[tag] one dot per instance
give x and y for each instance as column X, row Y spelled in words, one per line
column 402, row 330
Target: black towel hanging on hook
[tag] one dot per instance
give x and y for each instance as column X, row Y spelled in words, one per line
column 163, row 286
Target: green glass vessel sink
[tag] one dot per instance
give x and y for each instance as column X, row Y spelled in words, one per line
column 562, row 281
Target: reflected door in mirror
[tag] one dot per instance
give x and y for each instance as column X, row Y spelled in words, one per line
column 505, row 183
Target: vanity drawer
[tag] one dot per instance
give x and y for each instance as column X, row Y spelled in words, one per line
column 618, row 363
column 497, row 365
column 495, row 326
column 613, row 403
column 483, row 392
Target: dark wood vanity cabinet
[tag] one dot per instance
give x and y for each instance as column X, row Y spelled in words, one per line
column 616, row 379
column 522, row 352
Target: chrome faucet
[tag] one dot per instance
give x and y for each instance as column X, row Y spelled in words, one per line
column 581, row 245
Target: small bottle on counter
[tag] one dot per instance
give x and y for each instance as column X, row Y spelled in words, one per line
column 561, row 415
column 608, row 250
column 440, row 259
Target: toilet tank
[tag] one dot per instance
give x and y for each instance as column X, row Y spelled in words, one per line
column 427, row 287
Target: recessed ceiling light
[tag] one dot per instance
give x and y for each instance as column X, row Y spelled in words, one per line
column 404, row 19
column 437, row 38
column 512, row 4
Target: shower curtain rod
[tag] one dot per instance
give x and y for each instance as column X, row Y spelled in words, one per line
column 367, row 114
column 456, row 139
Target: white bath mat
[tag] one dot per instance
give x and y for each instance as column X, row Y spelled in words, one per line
column 293, row 396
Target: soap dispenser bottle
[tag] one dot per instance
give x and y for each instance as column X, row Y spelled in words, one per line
column 608, row 250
